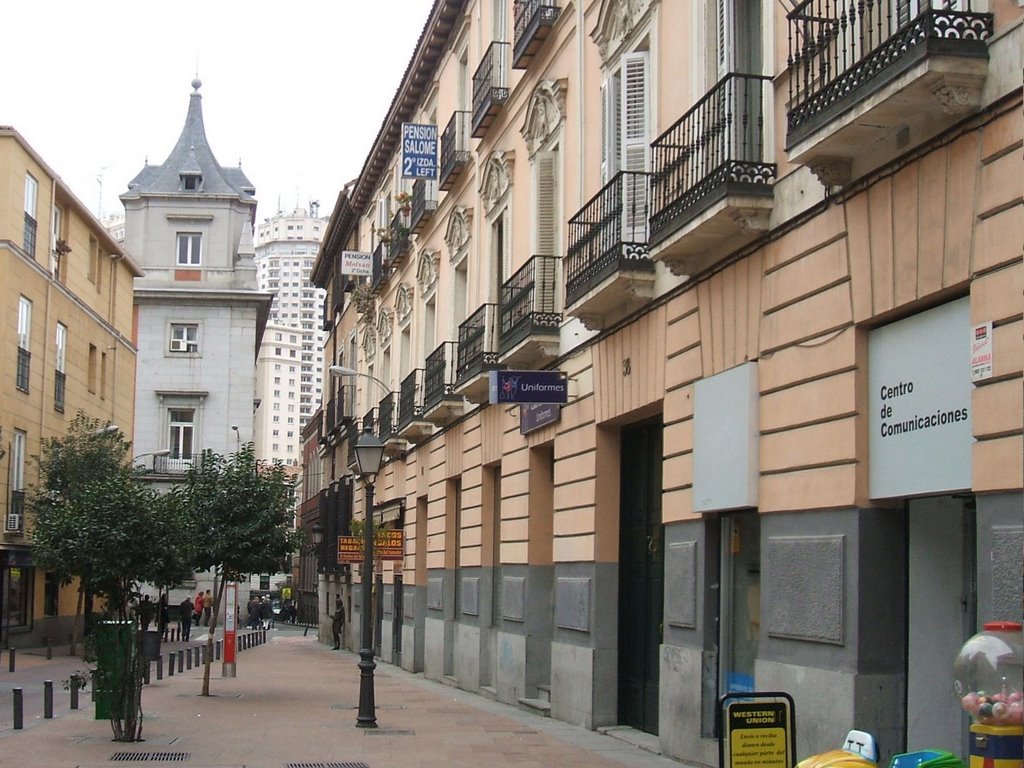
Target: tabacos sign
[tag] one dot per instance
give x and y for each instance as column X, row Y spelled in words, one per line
column 528, row 387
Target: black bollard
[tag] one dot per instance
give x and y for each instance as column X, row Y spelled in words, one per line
column 10, row 659
column 181, row 661
column 145, row 674
column 48, row 699
column 188, row 659
column 216, row 651
column 159, row 667
column 18, row 710
column 74, row 693
column 170, row 664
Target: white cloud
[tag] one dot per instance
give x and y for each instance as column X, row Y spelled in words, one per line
column 296, row 92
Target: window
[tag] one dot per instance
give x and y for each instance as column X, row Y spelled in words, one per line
column 51, row 592
column 94, row 260
column 625, row 117
column 93, row 355
column 57, row 245
column 21, row 379
column 189, row 249
column 546, row 238
column 59, row 381
column 181, row 435
column 31, row 196
column 184, row 337
column 16, row 509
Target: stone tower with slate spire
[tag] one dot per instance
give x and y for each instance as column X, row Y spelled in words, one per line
column 199, row 314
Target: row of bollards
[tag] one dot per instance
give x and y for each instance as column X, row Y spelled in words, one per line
column 183, row 658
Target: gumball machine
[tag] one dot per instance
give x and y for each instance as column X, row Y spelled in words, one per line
column 989, row 679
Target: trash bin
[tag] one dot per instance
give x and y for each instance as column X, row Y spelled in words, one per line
column 151, row 644
column 113, row 646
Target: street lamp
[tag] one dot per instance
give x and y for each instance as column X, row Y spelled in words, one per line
column 341, row 370
column 154, row 454
column 369, row 452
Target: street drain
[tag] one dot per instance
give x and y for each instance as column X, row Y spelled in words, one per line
column 326, row 765
column 150, row 757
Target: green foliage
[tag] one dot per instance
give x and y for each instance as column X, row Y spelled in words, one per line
column 241, row 514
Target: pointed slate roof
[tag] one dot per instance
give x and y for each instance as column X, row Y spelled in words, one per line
column 191, row 155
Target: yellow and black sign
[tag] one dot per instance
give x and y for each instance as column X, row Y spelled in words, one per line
column 758, row 734
column 387, row 545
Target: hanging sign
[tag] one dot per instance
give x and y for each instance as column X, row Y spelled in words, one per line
column 357, row 263
column 419, row 151
column 528, row 387
column 388, row 544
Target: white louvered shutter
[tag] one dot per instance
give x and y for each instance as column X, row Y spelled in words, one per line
column 611, row 128
column 546, row 236
column 635, row 144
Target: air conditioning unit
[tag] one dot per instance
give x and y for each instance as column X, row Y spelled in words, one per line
column 13, row 524
column 179, row 345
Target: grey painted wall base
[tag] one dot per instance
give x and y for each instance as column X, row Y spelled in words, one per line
column 679, row 711
column 467, row 657
column 584, row 688
column 830, row 702
column 434, row 648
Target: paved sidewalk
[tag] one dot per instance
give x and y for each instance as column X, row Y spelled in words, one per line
column 293, row 703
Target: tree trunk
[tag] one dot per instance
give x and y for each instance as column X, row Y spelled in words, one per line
column 218, row 594
column 78, row 615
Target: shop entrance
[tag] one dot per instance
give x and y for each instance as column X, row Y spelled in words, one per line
column 942, row 614
column 641, row 575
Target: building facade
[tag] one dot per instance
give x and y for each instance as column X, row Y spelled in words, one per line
column 199, row 314
column 775, row 249
column 67, row 344
column 290, row 367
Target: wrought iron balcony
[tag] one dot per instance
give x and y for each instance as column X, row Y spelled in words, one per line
column 424, row 203
column 173, row 464
column 530, row 316
column 441, row 403
column 29, row 238
column 387, row 424
column 400, row 243
column 59, row 386
column 411, row 423
column 608, row 270
column 352, row 432
column 860, row 73
column 490, row 87
column 477, row 352
column 454, row 150
column 533, row 21
column 711, row 189
column 380, row 268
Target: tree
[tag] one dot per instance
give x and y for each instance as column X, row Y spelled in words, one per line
column 94, row 519
column 240, row 511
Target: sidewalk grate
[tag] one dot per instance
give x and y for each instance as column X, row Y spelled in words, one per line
column 146, row 757
column 326, row 765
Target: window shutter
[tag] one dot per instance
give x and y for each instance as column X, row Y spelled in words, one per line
column 723, row 42
column 635, row 117
column 546, row 240
column 611, row 129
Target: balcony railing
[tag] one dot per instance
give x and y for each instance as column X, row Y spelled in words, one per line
column 528, row 301
column 59, row 387
column 490, row 86
column 439, row 374
column 369, row 421
column 29, row 240
column 424, row 203
column 172, row 465
column 533, row 20
column 608, row 234
column 477, row 347
column 410, row 398
column 400, row 244
column 387, row 425
column 716, row 148
column 454, row 150
column 24, row 368
column 838, row 49
column 380, row 268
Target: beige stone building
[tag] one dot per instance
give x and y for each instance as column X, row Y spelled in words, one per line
column 776, row 250
column 66, row 341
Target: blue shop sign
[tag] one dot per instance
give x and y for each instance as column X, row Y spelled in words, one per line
column 528, row 387
column 533, row 416
column 419, row 151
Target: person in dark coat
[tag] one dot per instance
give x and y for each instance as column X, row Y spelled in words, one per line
column 266, row 613
column 163, row 616
column 253, row 609
column 185, row 610
column 338, row 622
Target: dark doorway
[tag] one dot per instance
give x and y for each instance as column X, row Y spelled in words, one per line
column 641, row 575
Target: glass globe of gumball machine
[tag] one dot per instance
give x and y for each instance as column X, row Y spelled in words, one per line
column 989, row 679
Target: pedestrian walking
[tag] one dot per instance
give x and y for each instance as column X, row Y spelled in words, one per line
column 207, row 608
column 185, row 609
column 266, row 613
column 197, row 608
column 338, row 622
column 163, row 616
column 253, row 609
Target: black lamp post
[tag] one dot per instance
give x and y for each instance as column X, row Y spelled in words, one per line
column 369, row 452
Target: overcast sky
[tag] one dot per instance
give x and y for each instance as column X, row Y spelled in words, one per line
column 296, row 91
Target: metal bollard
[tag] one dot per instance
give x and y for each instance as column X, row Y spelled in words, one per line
column 216, row 651
column 48, row 699
column 10, row 659
column 181, row 661
column 202, row 655
column 188, row 659
column 145, row 674
column 170, row 664
column 159, row 667
column 74, row 695
column 19, row 706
